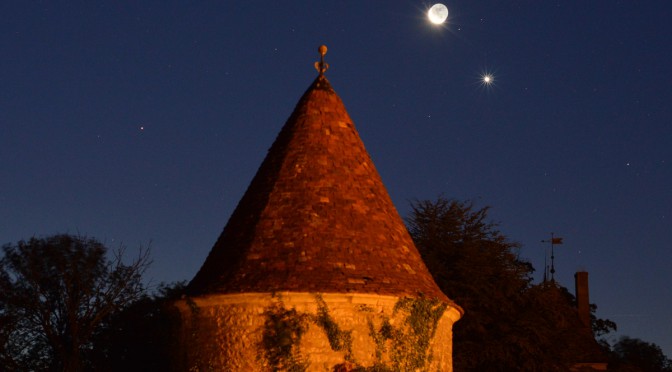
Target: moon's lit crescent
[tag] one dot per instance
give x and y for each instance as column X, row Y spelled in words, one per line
column 437, row 14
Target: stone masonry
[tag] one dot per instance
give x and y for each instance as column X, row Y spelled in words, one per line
column 315, row 223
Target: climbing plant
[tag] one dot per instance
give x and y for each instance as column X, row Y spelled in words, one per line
column 339, row 340
column 411, row 350
column 282, row 332
column 406, row 345
column 403, row 346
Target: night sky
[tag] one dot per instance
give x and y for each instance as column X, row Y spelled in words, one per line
column 144, row 122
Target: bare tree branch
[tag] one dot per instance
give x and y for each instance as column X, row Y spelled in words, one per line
column 62, row 288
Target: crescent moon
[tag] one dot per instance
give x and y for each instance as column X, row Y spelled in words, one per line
column 437, row 14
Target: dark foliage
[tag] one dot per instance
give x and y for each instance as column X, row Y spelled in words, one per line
column 509, row 324
column 142, row 336
column 600, row 327
column 54, row 295
column 635, row 355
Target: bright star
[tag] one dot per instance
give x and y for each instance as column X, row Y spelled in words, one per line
column 486, row 80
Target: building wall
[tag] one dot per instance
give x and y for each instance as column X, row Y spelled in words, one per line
column 314, row 332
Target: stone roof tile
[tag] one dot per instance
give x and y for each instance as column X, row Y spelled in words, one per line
column 316, row 217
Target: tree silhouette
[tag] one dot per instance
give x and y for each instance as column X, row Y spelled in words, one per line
column 509, row 324
column 635, row 355
column 141, row 337
column 55, row 292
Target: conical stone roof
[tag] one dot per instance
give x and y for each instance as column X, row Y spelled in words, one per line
column 316, row 217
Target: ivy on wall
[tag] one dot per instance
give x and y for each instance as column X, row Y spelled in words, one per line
column 411, row 340
column 339, row 340
column 404, row 346
column 281, row 336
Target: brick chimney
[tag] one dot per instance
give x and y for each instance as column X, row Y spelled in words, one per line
column 582, row 299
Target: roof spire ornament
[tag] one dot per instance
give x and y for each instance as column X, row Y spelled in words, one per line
column 321, row 66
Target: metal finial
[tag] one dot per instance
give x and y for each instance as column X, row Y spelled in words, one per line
column 321, row 66
column 554, row 241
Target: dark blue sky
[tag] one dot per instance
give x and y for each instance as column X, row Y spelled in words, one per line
column 145, row 121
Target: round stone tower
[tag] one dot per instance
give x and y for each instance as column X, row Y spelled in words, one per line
column 315, row 270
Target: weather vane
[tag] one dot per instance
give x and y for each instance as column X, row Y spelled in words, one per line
column 554, row 241
column 322, row 66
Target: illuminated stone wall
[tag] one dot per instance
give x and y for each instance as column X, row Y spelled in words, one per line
column 304, row 331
